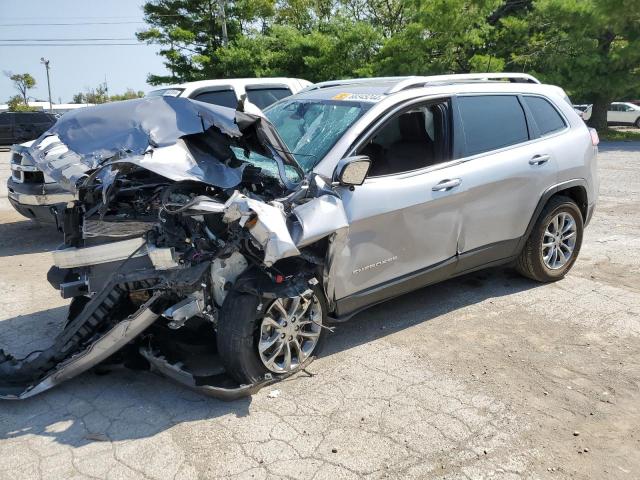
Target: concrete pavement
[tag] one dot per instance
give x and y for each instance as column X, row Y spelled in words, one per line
column 485, row 376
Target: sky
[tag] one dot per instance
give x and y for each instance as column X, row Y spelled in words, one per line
column 74, row 68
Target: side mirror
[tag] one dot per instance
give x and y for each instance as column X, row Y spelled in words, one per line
column 353, row 170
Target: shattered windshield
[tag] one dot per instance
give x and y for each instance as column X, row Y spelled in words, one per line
column 268, row 165
column 310, row 128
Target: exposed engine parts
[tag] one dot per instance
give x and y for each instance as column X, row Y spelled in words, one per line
column 196, row 246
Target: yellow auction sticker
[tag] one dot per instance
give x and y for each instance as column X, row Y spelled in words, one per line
column 363, row 97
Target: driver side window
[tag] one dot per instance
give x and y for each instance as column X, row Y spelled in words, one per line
column 414, row 139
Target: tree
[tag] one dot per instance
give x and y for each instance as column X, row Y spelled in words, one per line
column 390, row 16
column 22, row 82
column 129, row 94
column 313, row 39
column 589, row 47
column 341, row 50
column 442, row 37
column 99, row 95
column 16, row 104
column 191, row 31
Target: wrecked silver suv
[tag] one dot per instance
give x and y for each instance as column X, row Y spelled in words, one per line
column 213, row 245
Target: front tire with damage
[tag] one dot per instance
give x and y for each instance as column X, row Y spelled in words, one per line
column 260, row 336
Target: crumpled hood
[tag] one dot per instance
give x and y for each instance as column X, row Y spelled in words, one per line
column 155, row 133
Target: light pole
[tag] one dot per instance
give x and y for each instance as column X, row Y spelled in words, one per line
column 45, row 62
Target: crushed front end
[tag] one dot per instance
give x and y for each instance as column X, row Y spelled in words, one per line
column 189, row 220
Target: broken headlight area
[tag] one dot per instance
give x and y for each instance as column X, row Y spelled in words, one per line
column 206, row 270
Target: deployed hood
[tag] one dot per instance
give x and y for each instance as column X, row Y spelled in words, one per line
column 178, row 138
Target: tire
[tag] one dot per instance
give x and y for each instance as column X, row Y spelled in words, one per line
column 531, row 261
column 637, row 122
column 239, row 333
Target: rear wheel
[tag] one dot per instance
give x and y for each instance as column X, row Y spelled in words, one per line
column 265, row 336
column 554, row 243
column 637, row 122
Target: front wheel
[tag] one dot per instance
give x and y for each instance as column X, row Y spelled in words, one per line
column 257, row 336
column 554, row 243
column 637, row 122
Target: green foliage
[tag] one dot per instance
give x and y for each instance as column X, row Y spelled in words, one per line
column 614, row 135
column 129, row 94
column 589, row 47
column 441, row 37
column 16, row 104
column 100, row 95
column 22, row 82
column 190, row 32
column 344, row 50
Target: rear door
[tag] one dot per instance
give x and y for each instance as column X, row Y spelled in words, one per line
column 509, row 164
column 6, row 130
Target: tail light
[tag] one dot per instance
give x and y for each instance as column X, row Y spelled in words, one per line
column 595, row 140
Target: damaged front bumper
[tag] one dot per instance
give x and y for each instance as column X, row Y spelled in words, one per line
column 166, row 222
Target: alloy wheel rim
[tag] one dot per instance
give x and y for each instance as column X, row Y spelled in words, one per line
column 289, row 333
column 559, row 241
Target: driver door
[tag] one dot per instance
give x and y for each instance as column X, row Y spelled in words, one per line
column 404, row 220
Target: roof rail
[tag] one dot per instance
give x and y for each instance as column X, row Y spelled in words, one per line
column 415, row 82
column 352, row 81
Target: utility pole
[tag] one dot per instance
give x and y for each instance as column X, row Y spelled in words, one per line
column 45, row 62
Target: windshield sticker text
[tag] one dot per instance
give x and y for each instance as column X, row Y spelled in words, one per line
column 363, row 97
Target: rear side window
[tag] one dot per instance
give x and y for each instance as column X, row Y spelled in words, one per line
column 491, row 122
column 224, row 98
column 263, row 97
column 5, row 119
column 545, row 115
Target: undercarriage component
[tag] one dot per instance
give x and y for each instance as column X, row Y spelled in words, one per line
column 162, row 258
column 108, row 252
column 178, row 314
column 224, row 272
column 218, row 386
column 101, row 228
column 74, row 352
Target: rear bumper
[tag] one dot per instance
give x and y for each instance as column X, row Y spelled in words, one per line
column 34, row 200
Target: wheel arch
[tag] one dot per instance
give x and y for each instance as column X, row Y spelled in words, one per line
column 576, row 190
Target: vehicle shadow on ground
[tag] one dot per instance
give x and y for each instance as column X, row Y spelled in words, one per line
column 425, row 304
column 25, row 237
column 125, row 405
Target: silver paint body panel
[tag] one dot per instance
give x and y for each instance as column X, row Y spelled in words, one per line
column 399, row 217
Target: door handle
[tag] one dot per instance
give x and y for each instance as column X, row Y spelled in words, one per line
column 539, row 159
column 446, row 185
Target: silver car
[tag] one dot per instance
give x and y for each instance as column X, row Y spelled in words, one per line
column 216, row 246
